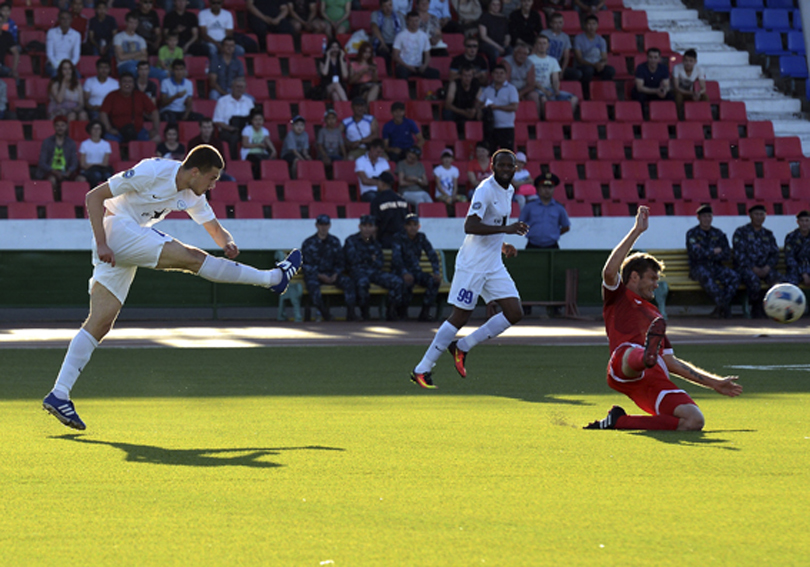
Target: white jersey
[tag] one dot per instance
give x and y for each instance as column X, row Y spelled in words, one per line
column 148, row 192
column 492, row 204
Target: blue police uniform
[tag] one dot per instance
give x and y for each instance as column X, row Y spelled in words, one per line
column 326, row 257
column 405, row 259
column 755, row 248
column 364, row 259
column 705, row 267
column 797, row 256
column 545, row 222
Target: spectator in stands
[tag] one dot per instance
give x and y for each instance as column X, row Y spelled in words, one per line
column 215, row 25
column 411, row 54
column 334, row 71
column 755, row 257
column 171, row 147
column 62, row 42
column 170, row 51
column 65, row 95
column 493, row 33
column 144, row 84
column 545, row 216
column 209, row 135
column 469, row 11
column 590, row 53
column 406, row 262
column 336, row 13
column 359, row 129
column 559, row 47
column 324, row 264
column 256, row 143
column 446, row 175
column 708, row 249
column 122, row 113
column 58, row 155
column 412, row 177
column 3, row 99
column 268, row 17
column 363, row 75
column 187, row 27
column 148, row 25
column 369, row 167
column 522, row 180
column 520, row 73
column 551, row 7
column 296, row 145
column 524, row 24
column 78, row 22
column 652, row 80
column 231, row 114
column 400, row 133
column 547, row 76
column 431, row 25
column 589, row 7
column 797, row 251
column 330, row 139
column 402, row 7
column 7, row 24
column 501, row 99
column 94, row 155
column 479, row 167
column 460, row 103
column 441, row 9
column 472, row 57
column 224, row 68
column 176, row 96
column 100, row 31
column 304, row 18
column 7, row 45
column 130, row 48
column 386, row 23
column 98, row 87
column 390, row 210
column 689, row 81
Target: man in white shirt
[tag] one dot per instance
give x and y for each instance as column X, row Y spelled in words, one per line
column 122, row 212
column 98, row 87
column 502, row 99
column 547, row 77
column 480, row 271
column 216, row 24
column 62, row 42
column 689, row 81
column 369, row 167
column 412, row 51
column 231, row 114
column 176, row 95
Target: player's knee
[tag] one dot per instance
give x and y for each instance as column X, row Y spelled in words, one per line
column 693, row 423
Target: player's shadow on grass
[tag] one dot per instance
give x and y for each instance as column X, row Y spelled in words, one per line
column 693, row 438
column 196, row 457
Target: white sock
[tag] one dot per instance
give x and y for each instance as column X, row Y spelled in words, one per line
column 223, row 270
column 492, row 328
column 444, row 336
column 78, row 355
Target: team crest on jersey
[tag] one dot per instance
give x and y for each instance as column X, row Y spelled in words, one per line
column 181, row 205
column 129, row 173
column 476, row 206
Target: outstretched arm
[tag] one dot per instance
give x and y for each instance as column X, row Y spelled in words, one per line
column 610, row 273
column 727, row 386
column 222, row 237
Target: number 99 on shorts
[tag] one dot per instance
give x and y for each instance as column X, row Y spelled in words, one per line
column 465, row 296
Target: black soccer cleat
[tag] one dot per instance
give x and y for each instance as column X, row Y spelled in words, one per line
column 610, row 421
column 655, row 336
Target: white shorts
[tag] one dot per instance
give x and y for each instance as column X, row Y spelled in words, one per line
column 491, row 286
column 134, row 246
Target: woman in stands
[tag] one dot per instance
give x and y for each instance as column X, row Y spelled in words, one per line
column 363, row 76
column 334, row 71
column 94, row 156
column 65, row 95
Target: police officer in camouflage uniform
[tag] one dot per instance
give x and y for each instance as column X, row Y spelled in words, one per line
column 797, row 251
column 364, row 260
column 755, row 257
column 405, row 261
column 708, row 248
column 324, row 265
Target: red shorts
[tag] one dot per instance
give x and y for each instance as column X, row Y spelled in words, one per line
column 653, row 391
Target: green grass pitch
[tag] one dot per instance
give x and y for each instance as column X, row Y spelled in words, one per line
column 330, row 456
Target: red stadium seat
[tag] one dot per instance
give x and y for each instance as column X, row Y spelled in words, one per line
column 635, row 170
column 657, row 131
column 606, row 22
column 731, row 190
column 659, row 40
column 4, row 150
column 74, row 192
column 628, row 111
column 249, row 210
column 15, row 170
column 526, row 112
column 240, row 170
column 36, row 89
column 799, row 189
column 697, row 111
column 39, row 192
column 624, row 191
column 619, row 62
column 673, row 169
column 599, row 170
column 344, row 170
column 539, row 151
column 663, row 111
column 315, row 209
column 261, row 192
column 575, row 150
column 634, row 21
column 432, row 210
column 644, row 150
column 789, row 147
column 623, row 43
column 196, row 66
column 280, row 45
column 695, row 190
column 226, row 192
column 717, row 149
column 443, row 130
column 611, row 209
column 394, row 89
column 659, row 190
column 744, row 170
column 474, row 130
column 267, row 67
column 289, row 89
column 298, row 191
column 681, row 149
column 312, row 44
column 777, row 170
column 565, row 170
column 593, row 111
column 275, row 170
column 587, row 191
column 286, row 210
column 311, row 171
column 312, row 110
column 689, row 131
column 8, row 193
column 706, row 169
column 22, row 211
column 421, row 111
column 610, row 150
column 461, row 209
column 620, row 131
column 603, row 91
column 761, row 129
column 28, row 151
column 548, row 131
column 424, row 88
column 752, row 148
column 768, row 190
column 335, row 192
column 733, row 111
column 357, row 210
column 304, row 68
column 62, row 211
column 559, row 111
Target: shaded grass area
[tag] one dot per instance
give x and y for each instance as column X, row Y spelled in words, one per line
column 303, row 456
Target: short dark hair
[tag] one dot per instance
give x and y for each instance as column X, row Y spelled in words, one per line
column 376, row 143
column 171, row 126
column 204, row 157
column 132, row 15
column 654, row 50
column 690, row 53
column 103, row 61
column 398, row 105
column 591, row 17
column 500, row 66
column 99, row 2
column 412, row 14
column 466, row 67
column 640, row 262
column 124, row 75
column 142, row 62
column 228, row 38
column 501, row 152
column 556, row 15
column 178, row 63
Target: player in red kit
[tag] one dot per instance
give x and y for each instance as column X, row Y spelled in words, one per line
column 642, row 358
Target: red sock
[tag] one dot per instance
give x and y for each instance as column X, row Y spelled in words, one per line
column 635, row 359
column 648, row 422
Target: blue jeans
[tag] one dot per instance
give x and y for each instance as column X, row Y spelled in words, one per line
column 143, row 136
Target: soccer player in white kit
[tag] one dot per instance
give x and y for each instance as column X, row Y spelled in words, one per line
column 480, row 271
column 122, row 212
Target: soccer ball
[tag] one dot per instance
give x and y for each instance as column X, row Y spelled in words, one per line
column 784, row 303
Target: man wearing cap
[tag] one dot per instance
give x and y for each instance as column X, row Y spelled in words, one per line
column 389, row 209
column 58, row 155
column 330, row 141
column 400, row 133
column 324, row 264
column 797, row 251
column 406, row 256
column 360, row 128
column 296, row 144
column 364, row 259
column 501, row 98
column 413, row 181
column 368, row 168
column 755, row 257
column 545, row 216
column 708, row 248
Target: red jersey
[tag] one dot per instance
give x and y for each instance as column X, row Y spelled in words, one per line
column 123, row 110
column 627, row 316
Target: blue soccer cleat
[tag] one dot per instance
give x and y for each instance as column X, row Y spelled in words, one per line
column 64, row 411
column 289, row 267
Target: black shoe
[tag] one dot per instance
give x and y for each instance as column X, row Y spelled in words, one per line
column 391, row 313
column 610, row 421
column 325, row 315
column 757, row 312
column 725, row 312
column 350, row 314
column 424, row 314
column 364, row 313
column 402, row 313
